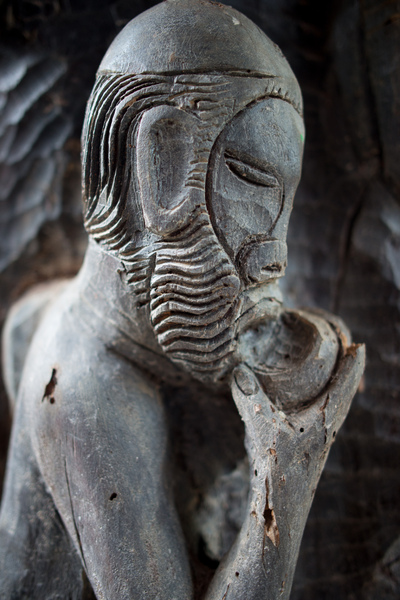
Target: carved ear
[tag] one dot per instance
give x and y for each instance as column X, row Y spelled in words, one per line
column 165, row 157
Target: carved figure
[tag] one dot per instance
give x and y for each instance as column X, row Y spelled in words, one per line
column 124, row 422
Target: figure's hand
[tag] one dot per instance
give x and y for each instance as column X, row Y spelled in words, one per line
column 307, row 434
column 295, row 356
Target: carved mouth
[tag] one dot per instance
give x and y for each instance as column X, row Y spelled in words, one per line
column 274, row 268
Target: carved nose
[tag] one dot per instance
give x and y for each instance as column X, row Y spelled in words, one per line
column 261, row 262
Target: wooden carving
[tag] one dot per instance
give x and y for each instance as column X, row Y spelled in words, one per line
column 128, row 474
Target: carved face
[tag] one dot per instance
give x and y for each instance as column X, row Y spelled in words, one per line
column 254, row 172
column 247, row 185
column 222, row 221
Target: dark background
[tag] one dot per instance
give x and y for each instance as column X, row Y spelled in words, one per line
column 344, row 240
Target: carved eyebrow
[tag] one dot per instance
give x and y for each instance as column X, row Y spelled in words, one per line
column 246, row 170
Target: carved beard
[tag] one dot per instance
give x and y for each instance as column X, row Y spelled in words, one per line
column 194, row 301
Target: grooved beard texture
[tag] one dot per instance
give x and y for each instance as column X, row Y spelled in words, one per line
column 193, row 301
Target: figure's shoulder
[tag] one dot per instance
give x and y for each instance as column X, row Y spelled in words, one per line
column 75, row 388
column 68, row 364
column 295, row 355
column 81, row 399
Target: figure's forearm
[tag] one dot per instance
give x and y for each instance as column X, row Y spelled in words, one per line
column 261, row 563
column 286, row 460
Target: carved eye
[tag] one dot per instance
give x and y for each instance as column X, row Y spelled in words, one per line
column 250, row 173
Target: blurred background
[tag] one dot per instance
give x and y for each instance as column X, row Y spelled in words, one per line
column 344, row 238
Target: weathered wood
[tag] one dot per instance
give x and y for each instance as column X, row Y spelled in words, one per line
column 192, row 150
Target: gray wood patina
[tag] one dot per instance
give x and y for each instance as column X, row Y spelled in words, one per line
column 192, row 151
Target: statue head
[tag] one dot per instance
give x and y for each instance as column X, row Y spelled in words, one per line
column 192, row 150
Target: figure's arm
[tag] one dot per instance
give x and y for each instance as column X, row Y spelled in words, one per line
column 287, row 454
column 101, row 443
